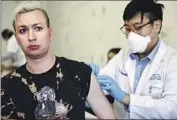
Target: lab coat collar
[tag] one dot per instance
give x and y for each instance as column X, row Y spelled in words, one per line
column 153, row 66
column 151, row 55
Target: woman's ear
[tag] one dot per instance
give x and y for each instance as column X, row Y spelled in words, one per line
column 157, row 25
column 50, row 33
column 16, row 37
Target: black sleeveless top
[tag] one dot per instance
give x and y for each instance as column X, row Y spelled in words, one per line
column 69, row 80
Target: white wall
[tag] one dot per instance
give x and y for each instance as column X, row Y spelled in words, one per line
column 6, row 19
column 86, row 30
column 169, row 29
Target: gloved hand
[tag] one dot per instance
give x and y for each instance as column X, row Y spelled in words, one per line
column 95, row 68
column 110, row 85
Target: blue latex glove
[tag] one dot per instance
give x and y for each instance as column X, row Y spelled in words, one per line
column 110, row 85
column 95, row 68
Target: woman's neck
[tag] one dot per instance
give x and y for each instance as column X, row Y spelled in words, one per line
column 41, row 65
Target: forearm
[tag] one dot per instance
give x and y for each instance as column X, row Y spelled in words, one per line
column 126, row 99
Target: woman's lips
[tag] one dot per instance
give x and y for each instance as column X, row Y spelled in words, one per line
column 33, row 47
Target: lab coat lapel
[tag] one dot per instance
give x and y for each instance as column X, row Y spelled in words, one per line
column 130, row 68
column 151, row 68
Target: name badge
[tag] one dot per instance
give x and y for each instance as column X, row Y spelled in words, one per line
column 156, row 77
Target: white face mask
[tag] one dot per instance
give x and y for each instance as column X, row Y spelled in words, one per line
column 137, row 43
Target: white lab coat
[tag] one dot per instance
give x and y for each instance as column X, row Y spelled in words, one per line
column 156, row 93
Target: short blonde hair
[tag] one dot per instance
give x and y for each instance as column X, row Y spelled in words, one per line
column 28, row 6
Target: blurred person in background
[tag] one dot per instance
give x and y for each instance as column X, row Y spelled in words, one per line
column 112, row 52
column 13, row 53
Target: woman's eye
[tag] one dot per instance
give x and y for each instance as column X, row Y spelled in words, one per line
column 22, row 31
column 38, row 28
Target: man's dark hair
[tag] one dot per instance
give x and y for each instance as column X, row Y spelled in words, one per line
column 151, row 8
column 6, row 34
